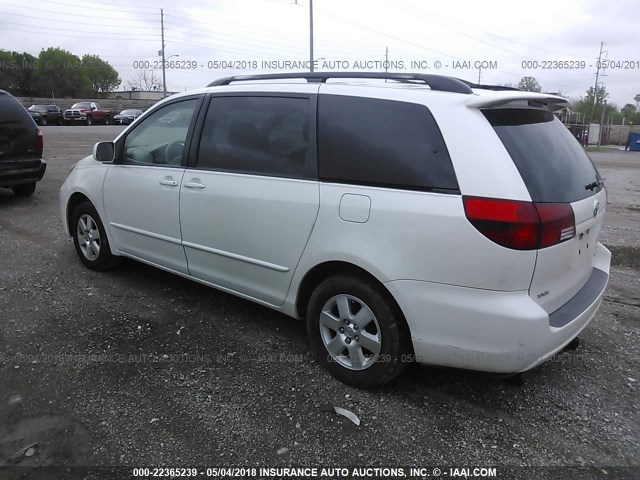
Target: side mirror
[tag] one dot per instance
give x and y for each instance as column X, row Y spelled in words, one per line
column 104, row 151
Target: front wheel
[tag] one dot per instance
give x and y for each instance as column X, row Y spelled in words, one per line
column 89, row 120
column 90, row 238
column 43, row 121
column 356, row 332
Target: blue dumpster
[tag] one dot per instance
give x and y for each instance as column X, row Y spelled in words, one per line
column 634, row 142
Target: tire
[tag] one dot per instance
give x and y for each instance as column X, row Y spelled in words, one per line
column 60, row 121
column 89, row 120
column 93, row 250
column 107, row 120
column 43, row 121
column 385, row 331
column 24, row 190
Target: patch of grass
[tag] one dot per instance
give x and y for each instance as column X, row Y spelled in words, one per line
column 602, row 148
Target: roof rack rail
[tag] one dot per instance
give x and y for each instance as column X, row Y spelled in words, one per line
column 489, row 87
column 435, row 82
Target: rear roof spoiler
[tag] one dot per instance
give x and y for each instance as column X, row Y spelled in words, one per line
column 497, row 99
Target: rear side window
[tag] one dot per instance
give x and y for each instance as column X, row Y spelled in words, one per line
column 551, row 162
column 382, row 143
column 258, row 135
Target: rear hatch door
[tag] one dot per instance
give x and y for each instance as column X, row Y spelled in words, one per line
column 555, row 169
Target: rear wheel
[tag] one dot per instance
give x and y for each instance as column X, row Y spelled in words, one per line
column 107, row 120
column 356, row 333
column 90, row 238
column 24, row 190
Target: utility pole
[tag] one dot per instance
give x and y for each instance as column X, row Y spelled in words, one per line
column 310, row 35
column 595, row 87
column 164, row 73
column 386, row 61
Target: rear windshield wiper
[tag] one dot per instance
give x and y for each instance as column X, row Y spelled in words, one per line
column 593, row 185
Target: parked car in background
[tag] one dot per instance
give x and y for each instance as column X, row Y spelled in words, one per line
column 87, row 113
column 46, row 114
column 125, row 117
column 433, row 221
column 21, row 145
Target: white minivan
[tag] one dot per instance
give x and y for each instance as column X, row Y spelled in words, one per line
column 419, row 220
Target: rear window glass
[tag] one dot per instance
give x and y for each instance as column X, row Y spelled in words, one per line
column 551, row 162
column 17, row 128
column 11, row 110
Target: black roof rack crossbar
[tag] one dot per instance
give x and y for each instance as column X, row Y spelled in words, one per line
column 435, row 82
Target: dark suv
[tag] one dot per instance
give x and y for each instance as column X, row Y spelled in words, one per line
column 46, row 114
column 21, row 145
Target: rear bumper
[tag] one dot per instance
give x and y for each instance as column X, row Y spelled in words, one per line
column 19, row 176
column 501, row 332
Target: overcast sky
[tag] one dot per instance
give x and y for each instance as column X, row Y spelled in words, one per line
column 506, row 33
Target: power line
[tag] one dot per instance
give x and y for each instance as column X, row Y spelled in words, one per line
column 459, row 32
column 69, row 14
column 45, row 33
column 83, row 31
column 224, row 48
column 506, row 39
column 100, row 8
column 398, row 39
column 282, row 42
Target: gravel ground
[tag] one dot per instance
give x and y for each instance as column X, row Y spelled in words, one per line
column 183, row 374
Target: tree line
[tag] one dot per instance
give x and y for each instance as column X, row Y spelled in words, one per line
column 56, row 73
column 593, row 106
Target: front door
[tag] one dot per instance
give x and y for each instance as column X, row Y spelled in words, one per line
column 142, row 189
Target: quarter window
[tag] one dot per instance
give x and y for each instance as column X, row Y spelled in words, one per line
column 160, row 138
column 382, row 143
column 258, row 135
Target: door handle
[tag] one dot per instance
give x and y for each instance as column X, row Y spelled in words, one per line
column 194, row 185
column 169, row 183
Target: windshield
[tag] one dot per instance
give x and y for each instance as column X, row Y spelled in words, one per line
column 86, row 105
column 38, row 108
column 128, row 112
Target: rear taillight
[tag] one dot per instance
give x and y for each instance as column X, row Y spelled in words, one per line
column 521, row 225
column 39, row 143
